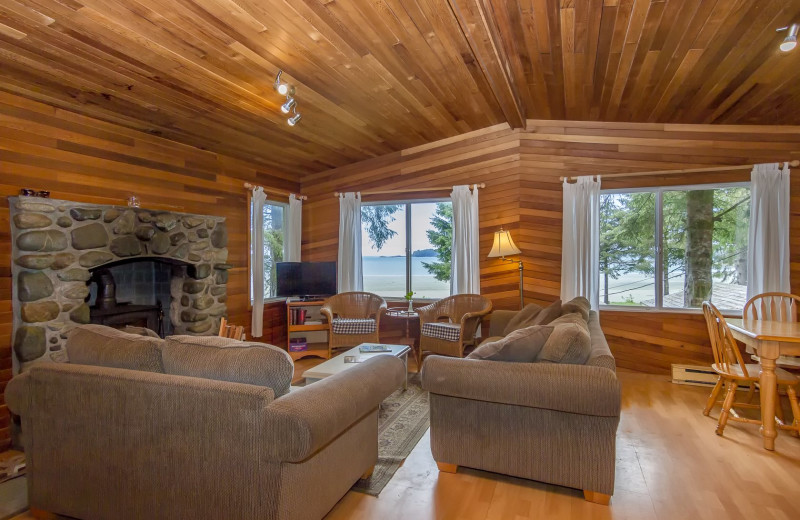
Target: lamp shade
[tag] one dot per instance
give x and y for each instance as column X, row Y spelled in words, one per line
column 503, row 245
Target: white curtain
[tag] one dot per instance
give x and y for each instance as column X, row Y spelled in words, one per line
column 349, row 274
column 768, row 249
column 257, row 260
column 580, row 241
column 294, row 230
column 465, row 260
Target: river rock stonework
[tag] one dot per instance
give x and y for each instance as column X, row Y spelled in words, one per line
column 56, row 243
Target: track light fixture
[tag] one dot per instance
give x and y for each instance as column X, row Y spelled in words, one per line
column 281, row 87
column 289, row 105
column 790, row 42
column 294, row 119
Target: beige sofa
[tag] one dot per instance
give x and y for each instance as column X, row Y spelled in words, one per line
column 138, row 441
column 550, row 422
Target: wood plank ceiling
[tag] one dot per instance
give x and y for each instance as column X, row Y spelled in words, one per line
column 377, row 76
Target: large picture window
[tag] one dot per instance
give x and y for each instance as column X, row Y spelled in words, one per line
column 675, row 247
column 406, row 247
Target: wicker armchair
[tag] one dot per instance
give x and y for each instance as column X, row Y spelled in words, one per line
column 353, row 318
column 464, row 313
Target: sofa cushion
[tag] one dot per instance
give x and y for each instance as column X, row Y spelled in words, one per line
column 523, row 318
column 103, row 346
column 226, row 359
column 579, row 304
column 441, row 330
column 353, row 326
column 140, row 331
column 521, row 346
column 569, row 343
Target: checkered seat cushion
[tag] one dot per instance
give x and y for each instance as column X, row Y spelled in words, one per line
column 353, row 326
column 445, row 331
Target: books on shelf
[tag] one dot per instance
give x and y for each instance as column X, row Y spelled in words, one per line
column 298, row 316
column 312, row 322
column 373, row 347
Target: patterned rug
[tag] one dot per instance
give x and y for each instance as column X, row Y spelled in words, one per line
column 403, row 419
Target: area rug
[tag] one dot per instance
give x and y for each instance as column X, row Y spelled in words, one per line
column 403, row 419
column 13, row 497
column 13, row 485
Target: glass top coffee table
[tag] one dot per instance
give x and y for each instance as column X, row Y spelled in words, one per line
column 338, row 364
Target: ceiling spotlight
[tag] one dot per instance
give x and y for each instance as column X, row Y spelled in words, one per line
column 283, row 89
column 294, row 119
column 288, row 106
column 790, row 42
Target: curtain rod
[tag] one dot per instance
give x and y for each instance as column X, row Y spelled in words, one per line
column 279, row 192
column 793, row 164
column 407, row 190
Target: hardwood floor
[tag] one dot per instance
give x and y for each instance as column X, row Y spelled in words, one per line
column 670, row 465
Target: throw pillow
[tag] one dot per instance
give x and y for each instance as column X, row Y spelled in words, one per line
column 548, row 314
column 521, row 346
column 572, row 317
column 103, row 346
column 225, row 359
column 569, row 343
column 523, row 318
column 579, row 304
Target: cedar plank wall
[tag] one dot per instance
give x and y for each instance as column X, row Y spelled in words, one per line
column 521, row 169
column 82, row 159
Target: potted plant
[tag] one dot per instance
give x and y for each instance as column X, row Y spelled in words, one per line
column 408, row 296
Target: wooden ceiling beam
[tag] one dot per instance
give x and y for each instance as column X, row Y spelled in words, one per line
column 479, row 26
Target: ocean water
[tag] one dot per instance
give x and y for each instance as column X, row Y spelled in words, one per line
column 386, row 276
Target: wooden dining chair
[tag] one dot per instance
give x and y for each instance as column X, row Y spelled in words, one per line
column 774, row 306
column 733, row 372
column 226, row 330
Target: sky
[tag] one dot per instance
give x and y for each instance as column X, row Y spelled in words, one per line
column 396, row 246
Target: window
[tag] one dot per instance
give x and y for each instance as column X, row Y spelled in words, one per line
column 406, row 247
column 675, row 247
column 274, row 230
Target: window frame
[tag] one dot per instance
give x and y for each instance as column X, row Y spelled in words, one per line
column 407, row 203
column 659, row 238
column 285, row 206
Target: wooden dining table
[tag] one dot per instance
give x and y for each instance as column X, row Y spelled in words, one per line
column 770, row 340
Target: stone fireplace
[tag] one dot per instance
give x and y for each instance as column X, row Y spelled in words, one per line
column 58, row 245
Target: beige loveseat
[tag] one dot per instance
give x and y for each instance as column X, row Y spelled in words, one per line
column 545, row 421
column 139, row 441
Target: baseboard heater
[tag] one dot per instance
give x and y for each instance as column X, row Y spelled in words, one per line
column 697, row 375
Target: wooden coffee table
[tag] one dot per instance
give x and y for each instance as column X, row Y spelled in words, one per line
column 337, row 364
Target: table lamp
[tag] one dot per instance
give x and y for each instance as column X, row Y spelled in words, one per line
column 503, row 246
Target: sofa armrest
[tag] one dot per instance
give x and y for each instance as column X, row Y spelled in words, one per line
column 17, row 392
column 309, row 418
column 580, row 389
column 498, row 321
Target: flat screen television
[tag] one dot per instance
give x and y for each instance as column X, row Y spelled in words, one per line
column 305, row 278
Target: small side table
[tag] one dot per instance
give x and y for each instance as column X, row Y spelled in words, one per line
column 402, row 313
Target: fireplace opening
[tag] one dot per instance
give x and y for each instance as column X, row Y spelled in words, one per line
column 134, row 292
